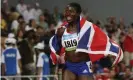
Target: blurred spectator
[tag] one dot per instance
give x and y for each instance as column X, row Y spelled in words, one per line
column 28, row 54
column 21, row 7
column 122, row 68
column 43, row 36
column 31, row 26
column 15, row 24
column 111, row 20
column 43, row 65
column 28, row 14
column 103, row 76
column 121, row 24
column 115, row 36
column 11, row 35
column 42, row 22
column 13, row 13
column 3, row 23
column 11, row 59
column 56, row 15
column 37, row 11
column 127, row 75
column 40, row 31
column 3, row 26
column 113, row 74
column 5, row 7
column 21, row 31
column 108, row 30
column 128, row 46
column 52, row 26
column 2, row 42
column 111, row 26
column 48, row 16
column 106, row 74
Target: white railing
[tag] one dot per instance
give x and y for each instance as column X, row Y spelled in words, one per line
column 32, row 76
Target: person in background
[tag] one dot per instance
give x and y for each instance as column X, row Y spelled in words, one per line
column 11, row 35
column 28, row 14
column 3, row 26
column 31, row 26
column 42, row 22
column 13, row 13
column 128, row 47
column 21, row 31
column 11, row 59
column 27, row 53
column 15, row 24
column 56, row 15
column 113, row 74
column 21, row 7
column 43, row 66
column 5, row 5
column 40, row 33
column 37, row 11
column 127, row 75
column 3, row 23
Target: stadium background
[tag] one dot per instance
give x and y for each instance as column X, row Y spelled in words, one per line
column 97, row 9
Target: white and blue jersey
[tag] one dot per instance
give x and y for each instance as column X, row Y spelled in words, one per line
column 69, row 41
column 43, row 61
column 10, row 57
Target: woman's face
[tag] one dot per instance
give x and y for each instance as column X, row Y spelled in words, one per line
column 70, row 14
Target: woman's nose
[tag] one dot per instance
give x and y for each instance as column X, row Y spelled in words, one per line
column 67, row 13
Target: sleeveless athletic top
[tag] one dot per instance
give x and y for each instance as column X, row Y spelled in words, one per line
column 69, row 41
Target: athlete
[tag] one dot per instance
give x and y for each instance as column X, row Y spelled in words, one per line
column 78, row 39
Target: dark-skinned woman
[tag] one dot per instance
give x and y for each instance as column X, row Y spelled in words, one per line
column 81, row 42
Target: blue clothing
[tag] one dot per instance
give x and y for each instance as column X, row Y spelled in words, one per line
column 10, row 60
column 81, row 68
column 46, row 67
column 43, row 61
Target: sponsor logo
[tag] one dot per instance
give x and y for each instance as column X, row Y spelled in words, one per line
column 10, row 55
column 85, row 71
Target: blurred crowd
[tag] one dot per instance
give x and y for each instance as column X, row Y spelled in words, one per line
column 29, row 24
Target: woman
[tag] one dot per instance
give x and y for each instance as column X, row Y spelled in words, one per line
column 74, row 39
column 74, row 59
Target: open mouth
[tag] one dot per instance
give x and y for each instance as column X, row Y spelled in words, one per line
column 69, row 18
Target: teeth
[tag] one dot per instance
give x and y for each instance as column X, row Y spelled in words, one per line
column 68, row 18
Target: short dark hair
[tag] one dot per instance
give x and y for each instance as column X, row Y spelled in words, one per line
column 76, row 6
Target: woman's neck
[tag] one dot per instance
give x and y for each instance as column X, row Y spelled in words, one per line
column 72, row 24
